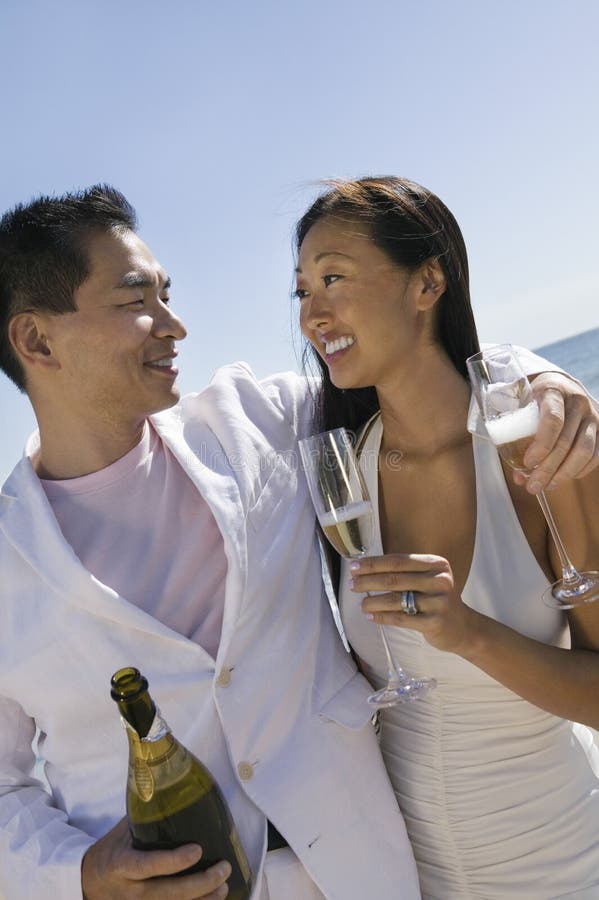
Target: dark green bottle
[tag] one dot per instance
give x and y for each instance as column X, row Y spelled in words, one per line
column 172, row 798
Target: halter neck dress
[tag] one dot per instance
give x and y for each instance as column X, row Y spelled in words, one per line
column 500, row 798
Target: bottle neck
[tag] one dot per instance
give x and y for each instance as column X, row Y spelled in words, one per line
column 150, row 742
column 153, row 760
column 155, row 747
column 140, row 714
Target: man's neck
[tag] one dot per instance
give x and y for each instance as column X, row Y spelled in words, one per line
column 72, row 455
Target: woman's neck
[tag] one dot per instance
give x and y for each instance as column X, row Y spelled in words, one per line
column 425, row 408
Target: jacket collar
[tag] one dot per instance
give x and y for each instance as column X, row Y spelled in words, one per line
column 29, row 524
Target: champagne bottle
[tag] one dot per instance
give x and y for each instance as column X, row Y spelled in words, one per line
column 172, row 798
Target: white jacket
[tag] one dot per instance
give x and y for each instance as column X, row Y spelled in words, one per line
column 281, row 719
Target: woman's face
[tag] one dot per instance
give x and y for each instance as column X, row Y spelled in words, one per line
column 358, row 309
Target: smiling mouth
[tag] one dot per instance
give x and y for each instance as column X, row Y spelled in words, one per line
column 166, row 365
column 163, row 362
column 338, row 344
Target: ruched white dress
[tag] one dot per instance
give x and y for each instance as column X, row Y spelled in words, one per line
column 501, row 799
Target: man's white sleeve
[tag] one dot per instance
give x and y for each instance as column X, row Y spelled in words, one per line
column 40, row 853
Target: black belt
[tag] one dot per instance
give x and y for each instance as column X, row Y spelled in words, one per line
column 275, row 839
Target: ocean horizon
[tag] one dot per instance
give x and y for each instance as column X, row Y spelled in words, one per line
column 579, row 355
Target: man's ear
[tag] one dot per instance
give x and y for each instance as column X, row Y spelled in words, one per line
column 28, row 338
column 433, row 283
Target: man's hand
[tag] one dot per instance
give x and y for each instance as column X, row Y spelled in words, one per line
column 112, row 868
column 565, row 445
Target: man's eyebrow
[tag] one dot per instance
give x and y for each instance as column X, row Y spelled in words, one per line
column 325, row 253
column 140, row 279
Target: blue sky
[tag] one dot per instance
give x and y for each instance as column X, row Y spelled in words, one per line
column 217, row 119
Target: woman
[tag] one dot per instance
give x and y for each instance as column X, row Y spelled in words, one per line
column 493, row 778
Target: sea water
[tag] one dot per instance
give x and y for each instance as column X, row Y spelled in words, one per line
column 578, row 355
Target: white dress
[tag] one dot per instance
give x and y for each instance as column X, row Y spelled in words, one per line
column 500, row 798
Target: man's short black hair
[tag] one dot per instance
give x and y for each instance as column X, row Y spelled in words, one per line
column 44, row 255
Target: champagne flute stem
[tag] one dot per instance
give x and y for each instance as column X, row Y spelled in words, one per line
column 569, row 573
column 395, row 675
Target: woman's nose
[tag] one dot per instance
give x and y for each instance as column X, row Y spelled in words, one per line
column 316, row 313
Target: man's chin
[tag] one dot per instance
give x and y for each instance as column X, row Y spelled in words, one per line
column 166, row 402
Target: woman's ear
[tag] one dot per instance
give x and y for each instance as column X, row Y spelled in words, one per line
column 28, row 338
column 433, row 283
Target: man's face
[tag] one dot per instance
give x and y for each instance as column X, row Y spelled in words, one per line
column 116, row 351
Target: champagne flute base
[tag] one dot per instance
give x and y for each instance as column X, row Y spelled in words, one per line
column 568, row 595
column 410, row 689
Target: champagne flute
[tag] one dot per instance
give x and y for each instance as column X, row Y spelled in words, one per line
column 345, row 514
column 511, row 415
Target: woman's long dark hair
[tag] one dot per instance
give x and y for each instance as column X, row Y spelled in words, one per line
column 410, row 224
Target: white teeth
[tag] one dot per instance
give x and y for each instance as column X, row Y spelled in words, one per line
column 163, row 362
column 339, row 344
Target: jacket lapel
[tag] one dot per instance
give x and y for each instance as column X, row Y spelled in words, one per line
column 204, row 460
column 29, row 524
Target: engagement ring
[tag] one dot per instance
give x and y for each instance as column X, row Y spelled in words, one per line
column 408, row 604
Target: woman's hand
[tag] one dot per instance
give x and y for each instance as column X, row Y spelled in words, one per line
column 566, row 444
column 444, row 620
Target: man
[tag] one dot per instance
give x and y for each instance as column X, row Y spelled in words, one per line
column 177, row 537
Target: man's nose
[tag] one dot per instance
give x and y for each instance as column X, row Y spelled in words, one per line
column 168, row 324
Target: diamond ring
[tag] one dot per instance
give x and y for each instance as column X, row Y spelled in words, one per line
column 408, row 604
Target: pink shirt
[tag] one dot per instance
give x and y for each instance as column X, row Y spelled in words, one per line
column 142, row 528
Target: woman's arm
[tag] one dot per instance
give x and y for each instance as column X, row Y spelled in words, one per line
column 561, row 681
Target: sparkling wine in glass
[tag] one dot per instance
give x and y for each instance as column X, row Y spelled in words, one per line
column 511, row 416
column 344, row 511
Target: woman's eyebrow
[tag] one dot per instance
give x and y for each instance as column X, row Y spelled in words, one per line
column 326, row 253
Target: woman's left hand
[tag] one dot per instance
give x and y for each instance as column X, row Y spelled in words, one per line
column 444, row 620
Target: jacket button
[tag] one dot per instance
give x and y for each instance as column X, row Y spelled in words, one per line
column 224, row 677
column 246, row 771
